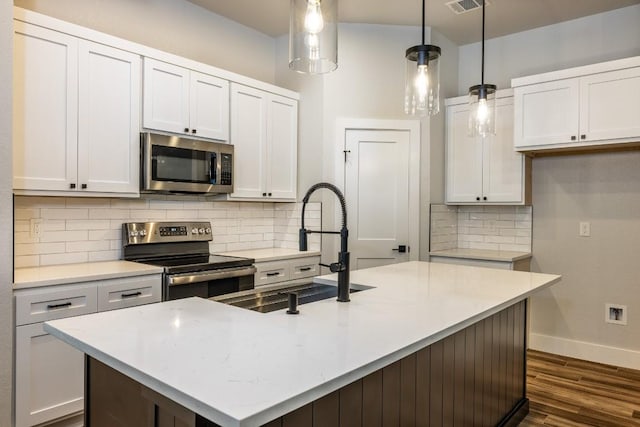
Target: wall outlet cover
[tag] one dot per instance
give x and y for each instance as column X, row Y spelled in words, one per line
column 616, row 314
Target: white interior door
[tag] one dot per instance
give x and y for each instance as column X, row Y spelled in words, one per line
column 380, row 182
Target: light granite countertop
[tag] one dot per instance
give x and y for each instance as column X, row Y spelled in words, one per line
column 271, row 254
column 242, row 368
column 482, row 254
column 33, row 277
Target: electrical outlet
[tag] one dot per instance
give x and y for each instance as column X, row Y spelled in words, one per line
column 585, row 229
column 615, row 313
column 35, row 228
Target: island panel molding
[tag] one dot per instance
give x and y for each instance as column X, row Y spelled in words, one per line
column 475, row 377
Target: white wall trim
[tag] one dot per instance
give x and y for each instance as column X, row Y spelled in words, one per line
column 585, row 350
column 413, row 127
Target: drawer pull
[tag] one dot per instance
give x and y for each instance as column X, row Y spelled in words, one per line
column 55, row 306
column 132, row 294
column 273, row 274
column 306, row 269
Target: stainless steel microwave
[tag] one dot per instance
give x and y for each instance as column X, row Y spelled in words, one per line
column 173, row 164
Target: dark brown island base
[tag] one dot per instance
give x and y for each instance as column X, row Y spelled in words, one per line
column 475, row 377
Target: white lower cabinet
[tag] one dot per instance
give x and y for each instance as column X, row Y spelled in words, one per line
column 286, row 270
column 49, row 377
column 49, row 374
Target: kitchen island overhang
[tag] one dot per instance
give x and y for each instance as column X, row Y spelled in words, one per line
column 240, row 368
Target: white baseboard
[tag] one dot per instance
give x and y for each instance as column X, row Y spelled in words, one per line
column 585, row 350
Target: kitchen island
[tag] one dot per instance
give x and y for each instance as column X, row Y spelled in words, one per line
column 428, row 344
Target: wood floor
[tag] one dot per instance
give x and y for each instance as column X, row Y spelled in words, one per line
column 567, row 392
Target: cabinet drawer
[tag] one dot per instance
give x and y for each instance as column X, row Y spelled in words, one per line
column 40, row 305
column 122, row 293
column 271, row 272
column 304, row 267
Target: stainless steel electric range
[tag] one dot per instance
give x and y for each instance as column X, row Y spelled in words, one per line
column 182, row 250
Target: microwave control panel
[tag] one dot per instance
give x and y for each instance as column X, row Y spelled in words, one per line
column 226, row 168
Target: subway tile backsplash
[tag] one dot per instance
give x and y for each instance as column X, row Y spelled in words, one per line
column 89, row 229
column 506, row 228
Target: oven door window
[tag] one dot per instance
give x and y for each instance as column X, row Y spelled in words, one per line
column 182, row 165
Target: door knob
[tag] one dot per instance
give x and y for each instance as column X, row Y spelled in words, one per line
column 401, row 249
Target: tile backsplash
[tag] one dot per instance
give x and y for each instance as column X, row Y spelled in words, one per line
column 506, row 228
column 77, row 229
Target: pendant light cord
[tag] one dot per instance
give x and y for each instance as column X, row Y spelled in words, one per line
column 482, row 72
column 423, row 13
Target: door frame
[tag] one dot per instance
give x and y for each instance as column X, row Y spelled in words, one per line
column 413, row 127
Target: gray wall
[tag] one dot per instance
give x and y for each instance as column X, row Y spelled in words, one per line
column 601, row 188
column 178, row 27
column 596, row 38
column 6, row 213
column 369, row 83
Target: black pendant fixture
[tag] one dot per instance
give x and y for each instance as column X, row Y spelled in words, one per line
column 482, row 100
column 422, row 85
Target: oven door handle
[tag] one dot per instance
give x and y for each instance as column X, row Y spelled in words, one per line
column 187, row 278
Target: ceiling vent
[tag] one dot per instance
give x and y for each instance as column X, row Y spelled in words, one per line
column 461, row 6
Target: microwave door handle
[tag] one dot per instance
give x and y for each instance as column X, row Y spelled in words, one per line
column 213, row 167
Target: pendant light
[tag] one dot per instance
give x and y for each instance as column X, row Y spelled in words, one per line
column 482, row 101
column 422, row 85
column 313, row 36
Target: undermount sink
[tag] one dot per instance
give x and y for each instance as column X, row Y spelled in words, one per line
column 265, row 301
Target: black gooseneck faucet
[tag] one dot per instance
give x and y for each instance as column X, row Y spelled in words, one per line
column 342, row 266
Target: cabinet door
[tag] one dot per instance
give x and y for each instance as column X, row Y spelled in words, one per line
column 546, row 113
column 464, row 158
column 209, row 109
column 610, row 105
column 502, row 167
column 45, row 108
column 282, row 150
column 248, row 136
column 165, row 97
column 109, row 119
column 49, row 377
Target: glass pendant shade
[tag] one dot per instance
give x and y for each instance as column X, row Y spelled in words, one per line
column 422, row 84
column 482, row 110
column 482, row 101
column 313, row 36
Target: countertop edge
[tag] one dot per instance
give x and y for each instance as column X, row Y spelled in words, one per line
column 71, row 278
column 483, row 257
column 258, row 257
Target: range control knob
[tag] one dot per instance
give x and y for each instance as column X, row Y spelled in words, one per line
column 207, row 230
column 133, row 233
column 143, row 233
column 194, row 231
column 201, row 230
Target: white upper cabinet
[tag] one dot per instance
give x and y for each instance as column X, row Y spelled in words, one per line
column 45, row 108
column 264, row 129
column 587, row 106
column 166, row 97
column 109, row 119
column 182, row 101
column 483, row 170
column 76, row 115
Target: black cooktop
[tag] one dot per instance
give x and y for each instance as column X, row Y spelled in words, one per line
column 187, row 264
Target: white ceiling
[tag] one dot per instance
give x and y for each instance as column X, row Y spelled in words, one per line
column 502, row 16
